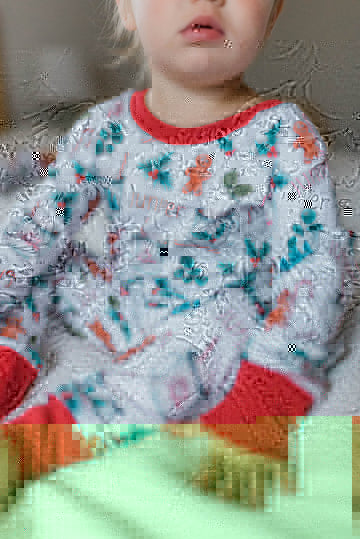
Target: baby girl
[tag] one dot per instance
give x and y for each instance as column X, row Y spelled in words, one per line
column 219, row 283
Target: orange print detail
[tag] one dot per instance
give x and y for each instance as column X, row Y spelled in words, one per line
column 278, row 315
column 101, row 334
column 105, row 274
column 93, row 204
column 306, row 140
column 198, row 175
column 148, row 340
column 34, row 209
column 112, row 237
column 13, row 327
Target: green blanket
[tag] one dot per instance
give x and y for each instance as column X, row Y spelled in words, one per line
column 138, row 491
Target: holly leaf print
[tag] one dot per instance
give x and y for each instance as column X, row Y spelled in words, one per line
column 236, row 190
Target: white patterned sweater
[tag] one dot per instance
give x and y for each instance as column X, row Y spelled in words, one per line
column 220, row 252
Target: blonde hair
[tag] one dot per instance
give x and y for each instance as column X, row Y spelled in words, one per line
column 127, row 45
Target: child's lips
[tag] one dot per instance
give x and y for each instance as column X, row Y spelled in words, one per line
column 202, row 34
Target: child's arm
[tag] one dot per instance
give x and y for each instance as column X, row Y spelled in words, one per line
column 35, row 242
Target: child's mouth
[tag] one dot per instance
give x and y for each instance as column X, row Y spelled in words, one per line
column 201, row 33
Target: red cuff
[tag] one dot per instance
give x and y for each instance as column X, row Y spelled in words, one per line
column 52, row 413
column 263, row 402
column 16, row 376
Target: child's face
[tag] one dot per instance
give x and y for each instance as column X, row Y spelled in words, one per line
column 245, row 23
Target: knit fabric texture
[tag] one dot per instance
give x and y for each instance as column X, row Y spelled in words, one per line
column 216, row 287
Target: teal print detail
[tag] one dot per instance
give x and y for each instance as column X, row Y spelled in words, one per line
column 225, row 223
column 299, row 352
column 39, row 281
column 36, row 360
column 115, row 314
column 248, row 285
column 295, row 256
column 100, row 147
column 30, row 303
column 163, row 289
column 311, row 366
column 117, row 132
column 189, row 272
column 271, row 139
column 72, row 401
column 112, row 200
column 186, row 306
column 245, row 283
column 257, row 253
column 135, row 434
column 226, row 269
column 66, row 199
column 236, row 189
column 226, row 145
column 79, row 169
column 153, row 168
column 279, row 181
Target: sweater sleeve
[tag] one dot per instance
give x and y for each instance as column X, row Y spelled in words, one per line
column 310, row 254
column 299, row 292
column 35, row 242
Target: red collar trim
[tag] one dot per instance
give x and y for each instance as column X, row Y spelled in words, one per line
column 190, row 135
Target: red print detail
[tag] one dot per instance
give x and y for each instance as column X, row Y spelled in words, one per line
column 198, row 175
column 154, row 174
column 272, row 152
column 67, row 395
column 9, row 273
column 31, row 240
column 178, row 387
column 80, row 179
column 34, row 209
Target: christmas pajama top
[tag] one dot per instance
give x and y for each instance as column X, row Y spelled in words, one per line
column 219, row 282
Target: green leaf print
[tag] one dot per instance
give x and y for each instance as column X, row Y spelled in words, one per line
column 236, row 190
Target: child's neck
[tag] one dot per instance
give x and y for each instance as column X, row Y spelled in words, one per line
column 193, row 115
